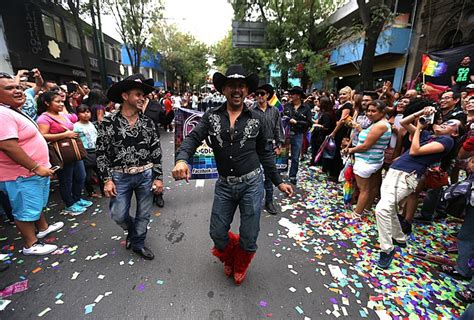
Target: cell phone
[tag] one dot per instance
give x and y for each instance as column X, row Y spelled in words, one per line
column 31, row 74
column 55, row 168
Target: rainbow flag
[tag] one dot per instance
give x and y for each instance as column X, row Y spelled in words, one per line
column 433, row 68
column 274, row 102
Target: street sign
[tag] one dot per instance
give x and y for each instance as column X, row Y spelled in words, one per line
column 246, row 34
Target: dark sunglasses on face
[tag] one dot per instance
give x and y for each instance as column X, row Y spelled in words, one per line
column 260, row 93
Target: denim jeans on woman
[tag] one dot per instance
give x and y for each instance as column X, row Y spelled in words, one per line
column 126, row 185
column 296, row 144
column 71, row 182
column 248, row 197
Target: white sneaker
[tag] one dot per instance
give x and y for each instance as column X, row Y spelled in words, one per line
column 39, row 249
column 51, row 228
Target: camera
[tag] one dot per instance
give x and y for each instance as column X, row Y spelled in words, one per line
column 429, row 119
column 31, row 74
column 424, row 120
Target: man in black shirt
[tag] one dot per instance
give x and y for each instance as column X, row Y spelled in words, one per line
column 129, row 160
column 300, row 122
column 463, row 76
column 273, row 133
column 237, row 139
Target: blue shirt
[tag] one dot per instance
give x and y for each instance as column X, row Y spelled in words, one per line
column 419, row 164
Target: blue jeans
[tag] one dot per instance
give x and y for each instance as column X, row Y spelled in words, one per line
column 71, row 182
column 126, row 185
column 248, row 197
column 468, row 313
column 296, row 144
column 465, row 253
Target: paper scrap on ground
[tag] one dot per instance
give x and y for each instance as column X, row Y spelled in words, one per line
column 294, row 231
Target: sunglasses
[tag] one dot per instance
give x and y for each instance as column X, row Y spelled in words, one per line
column 260, row 93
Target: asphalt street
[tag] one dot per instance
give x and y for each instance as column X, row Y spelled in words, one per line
column 94, row 277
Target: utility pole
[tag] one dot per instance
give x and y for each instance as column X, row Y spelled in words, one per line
column 102, row 50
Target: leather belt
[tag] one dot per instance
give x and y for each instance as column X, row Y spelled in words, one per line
column 133, row 170
column 243, row 178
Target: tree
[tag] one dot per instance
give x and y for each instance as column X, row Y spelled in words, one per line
column 74, row 6
column 373, row 19
column 183, row 57
column 292, row 30
column 134, row 20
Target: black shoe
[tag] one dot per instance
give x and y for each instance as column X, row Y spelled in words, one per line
column 128, row 241
column 385, row 259
column 270, row 207
column 160, row 202
column 399, row 243
column 145, row 253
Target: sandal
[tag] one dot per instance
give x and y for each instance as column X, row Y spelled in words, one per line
column 352, row 215
column 452, row 272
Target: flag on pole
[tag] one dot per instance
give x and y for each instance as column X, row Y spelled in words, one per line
column 274, row 102
column 433, row 68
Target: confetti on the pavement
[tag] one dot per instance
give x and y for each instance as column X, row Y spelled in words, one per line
column 45, row 311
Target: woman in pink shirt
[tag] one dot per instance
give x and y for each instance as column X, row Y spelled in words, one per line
column 55, row 126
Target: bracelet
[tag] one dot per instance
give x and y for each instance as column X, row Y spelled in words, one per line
column 181, row 161
column 34, row 168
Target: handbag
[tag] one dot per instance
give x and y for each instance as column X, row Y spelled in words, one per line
column 330, row 149
column 66, row 151
column 436, row 178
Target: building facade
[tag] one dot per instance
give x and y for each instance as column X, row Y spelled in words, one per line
column 41, row 34
column 391, row 52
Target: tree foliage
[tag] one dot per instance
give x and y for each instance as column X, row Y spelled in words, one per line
column 293, row 31
column 134, row 21
column 182, row 56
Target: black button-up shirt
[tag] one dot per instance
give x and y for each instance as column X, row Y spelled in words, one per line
column 121, row 146
column 302, row 116
column 272, row 128
column 237, row 150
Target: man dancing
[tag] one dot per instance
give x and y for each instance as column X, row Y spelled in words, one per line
column 239, row 145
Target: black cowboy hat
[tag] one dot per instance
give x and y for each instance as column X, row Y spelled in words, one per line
column 268, row 88
column 135, row 81
column 235, row 71
column 297, row 90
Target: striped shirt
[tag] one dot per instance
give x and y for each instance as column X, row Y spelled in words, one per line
column 376, row 153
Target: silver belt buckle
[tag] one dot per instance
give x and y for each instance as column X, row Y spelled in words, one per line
column 133, row 170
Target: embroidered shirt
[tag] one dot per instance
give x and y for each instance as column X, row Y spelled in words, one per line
column 121, row 146
column 238, row 150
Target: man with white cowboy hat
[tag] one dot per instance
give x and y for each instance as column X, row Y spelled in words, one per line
column 237, row 139
column 129, row 160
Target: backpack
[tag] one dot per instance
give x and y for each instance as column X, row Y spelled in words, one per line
column 456, row 197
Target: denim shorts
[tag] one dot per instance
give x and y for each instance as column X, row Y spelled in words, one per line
column 28, row 196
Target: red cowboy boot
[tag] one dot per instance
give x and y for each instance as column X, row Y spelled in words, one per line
column 227, row 255
column 242, row 259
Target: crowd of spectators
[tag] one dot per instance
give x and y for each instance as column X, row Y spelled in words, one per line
column 391, row 145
